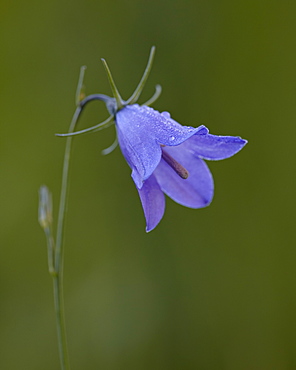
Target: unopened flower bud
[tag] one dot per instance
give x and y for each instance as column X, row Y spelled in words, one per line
column 45, row 207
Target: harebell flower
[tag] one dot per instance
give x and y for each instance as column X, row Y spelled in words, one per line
column 165, row 157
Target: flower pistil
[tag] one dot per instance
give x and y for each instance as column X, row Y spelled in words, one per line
column 176, row 166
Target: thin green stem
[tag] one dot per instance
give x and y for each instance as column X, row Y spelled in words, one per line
column 63, row 197
column 80, row 87
column 111, row 147
column 58, row 264
column 144, row 78
column 155, row 96
column 116, row 95
column 100, row 126
column 50, row 250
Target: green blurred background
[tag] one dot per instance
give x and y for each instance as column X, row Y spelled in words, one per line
column 207, row 289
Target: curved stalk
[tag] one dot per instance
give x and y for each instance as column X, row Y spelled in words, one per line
column 98, row 127
column 144, row 78
column 155, row 96
column 119, row 101
column 58, row 263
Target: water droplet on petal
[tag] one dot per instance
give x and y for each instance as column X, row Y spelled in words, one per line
column 166, row 114
column 172, row 138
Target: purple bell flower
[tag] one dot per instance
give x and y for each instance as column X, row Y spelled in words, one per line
column 165, row 157
column 168, row 158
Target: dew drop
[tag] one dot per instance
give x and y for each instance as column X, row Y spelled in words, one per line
column 172, row 138
column 166, row 114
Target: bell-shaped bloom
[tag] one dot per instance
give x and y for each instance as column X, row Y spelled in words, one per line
column 168, row 158
column 165, row 157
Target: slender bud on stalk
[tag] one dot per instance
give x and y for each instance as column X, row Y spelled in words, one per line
column 45, row 207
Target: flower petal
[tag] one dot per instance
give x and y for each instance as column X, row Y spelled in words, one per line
column 153, row 202
column 213, row 147
column 143, row 158
column 197, row 190
column 141, row 130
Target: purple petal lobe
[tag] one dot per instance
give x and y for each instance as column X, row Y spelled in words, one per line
column 213, row 147
column 141, row 131
column 153, row 202
column 197, row 190
column 142, row 158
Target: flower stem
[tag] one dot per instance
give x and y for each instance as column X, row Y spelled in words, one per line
column 58, row 264
column 56, row 249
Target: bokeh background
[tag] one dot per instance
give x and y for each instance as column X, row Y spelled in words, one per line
column 207, row 289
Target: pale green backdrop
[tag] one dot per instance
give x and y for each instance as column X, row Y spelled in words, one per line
column 207, row 289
